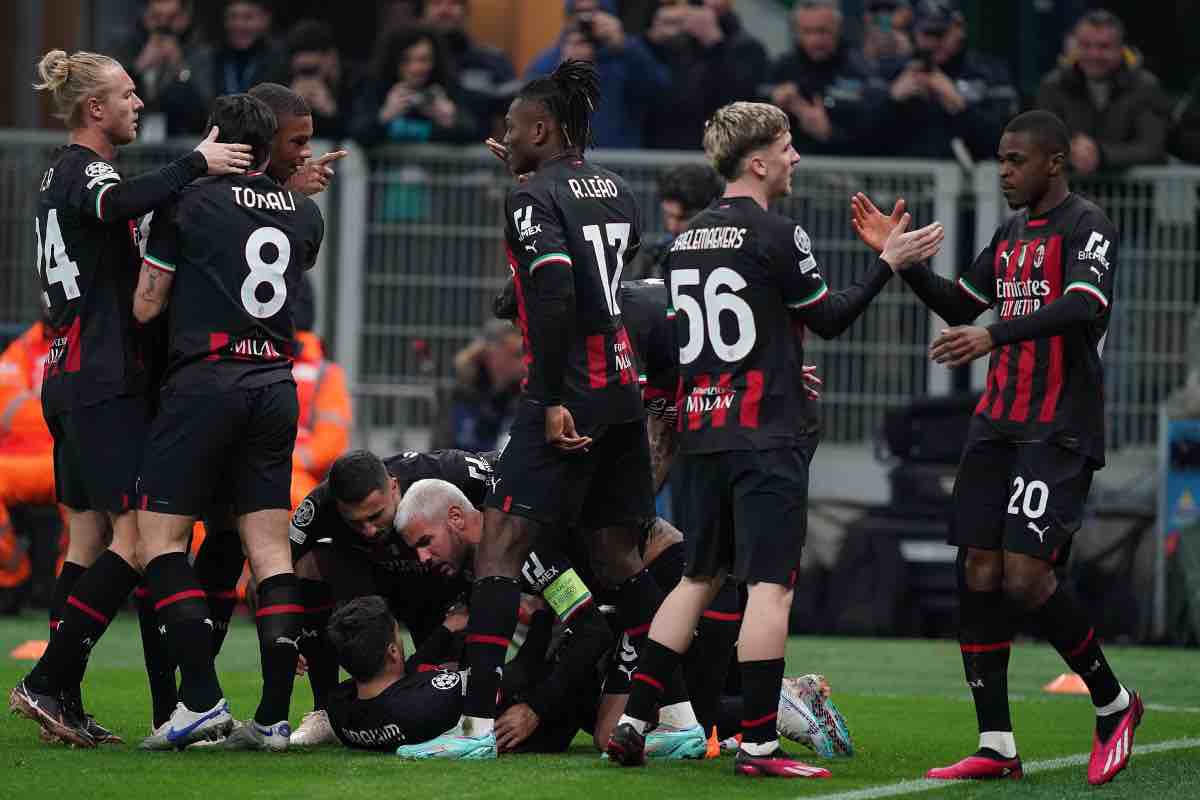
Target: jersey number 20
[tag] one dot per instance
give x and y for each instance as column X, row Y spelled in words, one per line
column 268, row 272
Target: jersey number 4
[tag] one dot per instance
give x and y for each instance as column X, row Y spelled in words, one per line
column 708, row 316
column 268, row 272
column 52, row 253
column 618, row 237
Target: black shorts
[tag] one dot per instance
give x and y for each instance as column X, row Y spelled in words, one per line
column 607, row 486
column 97, row 453
column 236, row 445
column 746, row 512
column 1023, row 498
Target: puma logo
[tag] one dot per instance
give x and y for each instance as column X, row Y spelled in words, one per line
column 1041, row 532
column 293, row 642
column 531, row 248
column 1005, row 257
column 1098, row 274
column 975, row 684
column 627, row 670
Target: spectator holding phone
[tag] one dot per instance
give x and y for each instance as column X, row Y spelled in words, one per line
column 414, row 98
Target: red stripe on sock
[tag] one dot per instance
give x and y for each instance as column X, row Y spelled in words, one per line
column 85, row 608
column 482, row 638
column 427, row 667
column 229, row 595
column 1077, row 651
column 175, row 598
column 722, row 616
column 644, row 678
column 985, row 648
column 282, row 608
column 140, row 592
column 638, row 631
column 754, row 723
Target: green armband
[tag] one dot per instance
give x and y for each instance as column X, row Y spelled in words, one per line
column 566, row 594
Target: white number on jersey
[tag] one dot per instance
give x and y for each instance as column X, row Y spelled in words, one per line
column 58, row 264
column 1036, row 496
column 618, row 237
column 709, row 315
column 269, row 272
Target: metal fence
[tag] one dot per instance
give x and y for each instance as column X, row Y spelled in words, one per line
column 414, row 254
column 1156, row 289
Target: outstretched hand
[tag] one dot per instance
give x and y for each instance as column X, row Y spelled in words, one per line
column 903, row 247
column 223, row 158
column 871, row 225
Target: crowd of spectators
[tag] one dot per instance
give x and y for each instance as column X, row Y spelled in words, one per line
column 904, row 80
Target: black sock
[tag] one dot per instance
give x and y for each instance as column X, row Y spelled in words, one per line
column 636, row 600
column 159, row 668
column 219, row 567
column 183, row 611
column 985, row 639
column 494, row 602
column 91, row 605
column 67, row 577
column 760, row 689
column 280, row 618
column 706, row 664
column 1066, row 627
column 314, row 644
column 657, row 664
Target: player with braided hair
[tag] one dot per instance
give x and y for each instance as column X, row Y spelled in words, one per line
column 578, row 456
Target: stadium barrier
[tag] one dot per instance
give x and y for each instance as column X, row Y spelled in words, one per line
column 414, row 254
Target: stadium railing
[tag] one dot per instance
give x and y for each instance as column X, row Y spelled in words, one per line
column 414, row 253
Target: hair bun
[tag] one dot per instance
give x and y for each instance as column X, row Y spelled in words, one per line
column 54, row 69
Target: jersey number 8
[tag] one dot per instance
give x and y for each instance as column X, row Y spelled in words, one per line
column 263, row 271
column 715, row 302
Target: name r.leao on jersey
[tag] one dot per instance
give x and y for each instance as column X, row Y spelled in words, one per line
column 593, row 188
column 271, row 201
column 722, row 238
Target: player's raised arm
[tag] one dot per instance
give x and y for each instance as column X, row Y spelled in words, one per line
column 957, row 302
column 830, row 313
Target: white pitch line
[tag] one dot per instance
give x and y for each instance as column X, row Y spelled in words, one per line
column 1173, row 709
column 926, row 785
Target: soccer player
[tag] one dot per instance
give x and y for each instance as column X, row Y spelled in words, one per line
column 392, row 701
column 290, row 152
column 345, row 545
column 94, row 393
column 578, row 451
column 1036, row 438
column 738, row 275
column 233, row 252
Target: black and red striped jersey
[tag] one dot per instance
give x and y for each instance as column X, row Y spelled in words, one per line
column 1048, row 388
column 87, row 254
column 570, row 230
column 650, row 321
column 238, row 247
column 741, row 279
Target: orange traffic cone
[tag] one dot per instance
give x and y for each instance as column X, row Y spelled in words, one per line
column 29, row 651
column 713, row 748
column 1067, row 683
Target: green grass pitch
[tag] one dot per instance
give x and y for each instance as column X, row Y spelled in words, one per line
column 905, row 702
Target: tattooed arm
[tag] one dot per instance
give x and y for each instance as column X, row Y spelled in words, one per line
column 150, row 298
column 663, row 446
